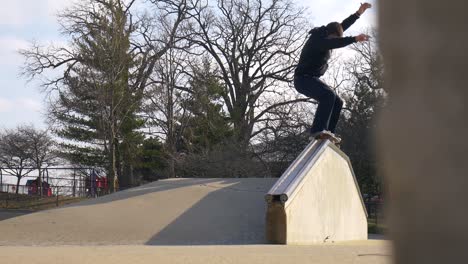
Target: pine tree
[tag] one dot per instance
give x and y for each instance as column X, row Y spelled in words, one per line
column 209, row 125
column 96, row 111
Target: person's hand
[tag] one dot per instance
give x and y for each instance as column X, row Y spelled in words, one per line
column 362, row 38
column 363, row 8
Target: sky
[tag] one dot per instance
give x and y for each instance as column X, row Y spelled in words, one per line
column 23, row 21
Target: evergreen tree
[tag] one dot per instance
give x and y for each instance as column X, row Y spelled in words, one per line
column 208, row 124
column 151, row 162
column 96, row 110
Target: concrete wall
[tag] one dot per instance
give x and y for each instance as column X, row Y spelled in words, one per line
column 423, row 131
column 325, row 207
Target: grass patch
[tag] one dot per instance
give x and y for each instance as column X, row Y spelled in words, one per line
column 374, row 227
column 36, row 203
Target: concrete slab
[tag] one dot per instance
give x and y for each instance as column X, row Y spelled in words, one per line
column 169, row 212
column 363, row 252
column 316, row 200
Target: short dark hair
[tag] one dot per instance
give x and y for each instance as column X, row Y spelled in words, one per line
column 335, row 28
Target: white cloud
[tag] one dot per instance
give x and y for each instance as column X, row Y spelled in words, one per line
column 9, row 50
column 19, row 105
column 5, row 105
column 20, row 13
column 11, row 14
column 29, row 104
column 55, row 6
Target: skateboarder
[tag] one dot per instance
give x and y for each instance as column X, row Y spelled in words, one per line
column 313, row 63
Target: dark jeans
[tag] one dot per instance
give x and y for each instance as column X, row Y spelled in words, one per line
column 329, row 103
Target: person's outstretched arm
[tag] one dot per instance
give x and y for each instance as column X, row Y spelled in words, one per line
column 336, row 43
column 348, row 22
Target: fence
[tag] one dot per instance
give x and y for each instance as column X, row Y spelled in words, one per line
column 375, row 210
column 376, row 217
column 58, row 186
column 74, row 182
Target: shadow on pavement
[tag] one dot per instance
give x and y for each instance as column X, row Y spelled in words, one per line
column 7, row 214
column 234, row 215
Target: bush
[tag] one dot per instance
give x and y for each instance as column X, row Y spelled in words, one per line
column 223, row 161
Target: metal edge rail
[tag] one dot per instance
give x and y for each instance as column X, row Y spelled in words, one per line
column 294, row 175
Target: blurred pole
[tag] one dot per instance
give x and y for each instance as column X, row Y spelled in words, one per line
column 57, row 192
column 74, row 182
column 93, row 183
column 422, row 132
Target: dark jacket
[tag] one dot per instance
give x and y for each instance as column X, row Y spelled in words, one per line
column 316, row 52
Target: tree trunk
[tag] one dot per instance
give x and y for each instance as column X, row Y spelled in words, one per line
column 115, row 181
column 126, row 176
column 17, row 184
column 171, row 148
column 39, row 183
column 171, row 137
column 112, row 178
column 242, row 133
column 172, row 173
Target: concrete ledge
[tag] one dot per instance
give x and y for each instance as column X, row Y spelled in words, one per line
column 316, row 200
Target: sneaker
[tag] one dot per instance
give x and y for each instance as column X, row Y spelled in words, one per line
column 337, row 139
column 318, row 135
column 325, row 134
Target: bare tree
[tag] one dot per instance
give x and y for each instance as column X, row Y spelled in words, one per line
column 367, row 65
column 15, row 156
column 281, row 135
column 159, row 29
column 255, row 45
column 41, row 150
column 163, row 107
